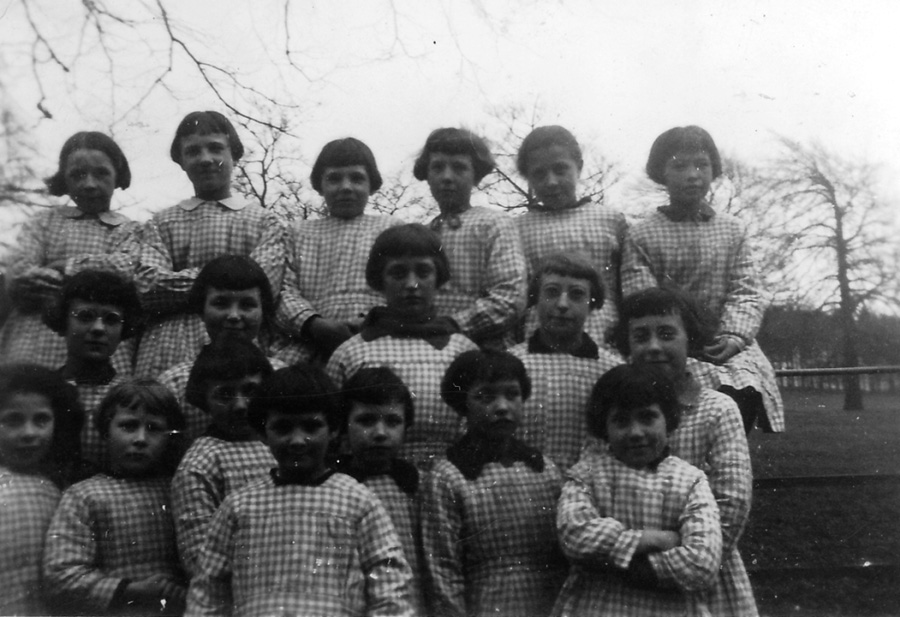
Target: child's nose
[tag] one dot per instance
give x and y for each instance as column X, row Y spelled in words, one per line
column 379, row 430
column 140, row 435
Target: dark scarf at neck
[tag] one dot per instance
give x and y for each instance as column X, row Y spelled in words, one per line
column 382, row 321
column 102, row 377
column 536, row 205
column 586, row 349
column 471, row 453
column 700, row 214
column 403, row 473
column 280, row 480
column 451, row 218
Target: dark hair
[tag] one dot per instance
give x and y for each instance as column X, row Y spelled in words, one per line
column 545, row 137
column 377, row 385
column 90, row 140
column 223, row 360
column 475, row 365
column 679, row 139
column 699, row 324
column 455, row 141
column 68, row 416
column 628, row 387
column 234, row 273
column 575, row 265
column 206, row 123
column 295, row 390
column 341, row 153
column 409, row 240
column 103, row 288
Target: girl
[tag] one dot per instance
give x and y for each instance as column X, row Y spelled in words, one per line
column 488, row 509
column 487, row 292
column 64, row 240
column 180, row 240
column 324, row 296
column 691, row 246
column 557, row 220
column 639, row 526
column 407, row 265
column 40, row 420
column 660, row 328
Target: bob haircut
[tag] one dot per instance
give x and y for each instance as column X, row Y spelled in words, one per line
column 90, row 140
column 546, row 137
column 103, row 288
column 455, row 141
column 206, row 123
column 341, row 153
column 680, row 139
column 223, row 360
column 656, row 301
column 296, row 390
column 574, row 265
column 68, row 416
column 409, row 240
column 234, row 273
column 377, row 385
column 155, row 398
column 630, row 387
column 481, row 365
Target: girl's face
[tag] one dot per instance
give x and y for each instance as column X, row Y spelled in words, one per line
column 494, row 409
column 233, row 313
column 660, row 341
column 637, row 437
column 90, row 180
column 93, row 330
column 299, row 442
column 563, row 305
column 26, row 430
column 553, row 176
column 206, row 159
column 346, row 190
column 137, row 441
column 451, row 178
column 228, row 401
column 410, row 284
column 688, row 175
column 375, row 434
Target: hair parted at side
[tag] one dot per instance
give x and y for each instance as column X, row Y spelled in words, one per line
column 296, row 390
column 481, row 365
column 342, row 153
column 206, row 123
column 409, row 240
column 572, row 264
column 546, row 137
column 101, row 287
column 629, row 387
column 681, row 139
column 234, row 273
column 455, row 141
column 377, row 385
column 223, row 360
column 89, row 140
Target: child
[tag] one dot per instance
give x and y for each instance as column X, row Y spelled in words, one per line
column 180, row 240
column 95, row 311
column 324, row 296
column 233, row 297
column 407, row 265
column 487, row 292
column 488, row 509
column 690, row 245
column 305, row 540
column 222, row 382
column 111, row 545
column 64, row 240
column 639, row 526
column 660, row 328
column 40, row 421
column 563, row 361
column 377, row 410
column 557, row 220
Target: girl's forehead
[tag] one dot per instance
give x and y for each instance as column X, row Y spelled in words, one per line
column 669, row 317
column 138, row 411
column 500, row 383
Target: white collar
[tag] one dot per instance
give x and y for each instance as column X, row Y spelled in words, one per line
column 113, row 219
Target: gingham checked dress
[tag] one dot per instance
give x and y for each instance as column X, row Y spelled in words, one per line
column 708, row 256
column 90, row 395
column 176, row 244
column 302, row 549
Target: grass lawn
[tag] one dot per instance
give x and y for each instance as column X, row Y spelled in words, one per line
column 827, row 526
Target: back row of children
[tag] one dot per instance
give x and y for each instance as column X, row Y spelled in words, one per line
column 320, row 291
